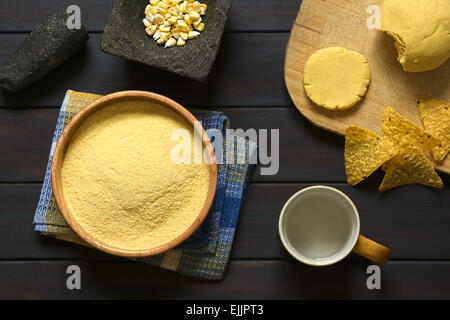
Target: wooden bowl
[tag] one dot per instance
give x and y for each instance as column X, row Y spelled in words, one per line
column 64, row 142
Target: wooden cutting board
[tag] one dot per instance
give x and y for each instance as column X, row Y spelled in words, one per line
column 343, row 23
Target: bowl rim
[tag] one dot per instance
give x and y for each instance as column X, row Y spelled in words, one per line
column 64, row 141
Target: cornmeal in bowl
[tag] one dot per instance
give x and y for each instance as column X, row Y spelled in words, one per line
column 122, row 179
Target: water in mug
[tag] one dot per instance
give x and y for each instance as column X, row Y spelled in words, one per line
column 321, row 225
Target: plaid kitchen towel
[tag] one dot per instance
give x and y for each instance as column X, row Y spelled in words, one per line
column 205, row 254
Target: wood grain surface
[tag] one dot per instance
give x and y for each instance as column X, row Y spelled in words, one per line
column 247, row 84
column 343, row 23
column 244, row 280
column 245, row 15
column 412, row 222
column 256, row 57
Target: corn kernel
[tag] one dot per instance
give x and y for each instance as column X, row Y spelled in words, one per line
column 197, row 22
column 196, row 5
column 183, row 7
column 162, row 5
column 156, row 35
column 150, row 30
column 181, row 42
column 175, row 33
column 160, row 10
column 184, row 35
column 154, row 2
column 200, row 27
column 193, row 34
column 146, row 23
column 173, row 11
column 150, row 18
column 170, row 43
column 203, row 8
column 194, row 15
column 187, row 18
column 154, row 10
column 159, row 19
column 182, row 25
column 164, row 34
column 164, row 28
column 147, row 9
column 172, row 19
column 161, row 41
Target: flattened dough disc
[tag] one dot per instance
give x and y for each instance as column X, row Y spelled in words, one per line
column 336, row 78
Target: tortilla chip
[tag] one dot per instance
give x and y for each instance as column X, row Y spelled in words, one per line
column 435, row 116
column 403, row 146
column 410, row 166
column 365, row 152
column 396, row 128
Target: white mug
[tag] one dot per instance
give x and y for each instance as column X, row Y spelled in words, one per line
column 319, row 226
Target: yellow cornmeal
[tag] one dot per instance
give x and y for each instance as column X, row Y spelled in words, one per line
column 120, row 182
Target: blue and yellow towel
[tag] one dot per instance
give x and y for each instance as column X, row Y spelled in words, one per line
column 205, row 254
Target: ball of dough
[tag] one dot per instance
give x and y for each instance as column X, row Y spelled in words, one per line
column 336, row 78
column 421, row 31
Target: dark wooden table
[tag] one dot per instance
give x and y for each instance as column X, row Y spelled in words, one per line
column 247, row 84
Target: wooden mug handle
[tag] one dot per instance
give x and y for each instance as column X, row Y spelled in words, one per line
column 371, row 250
